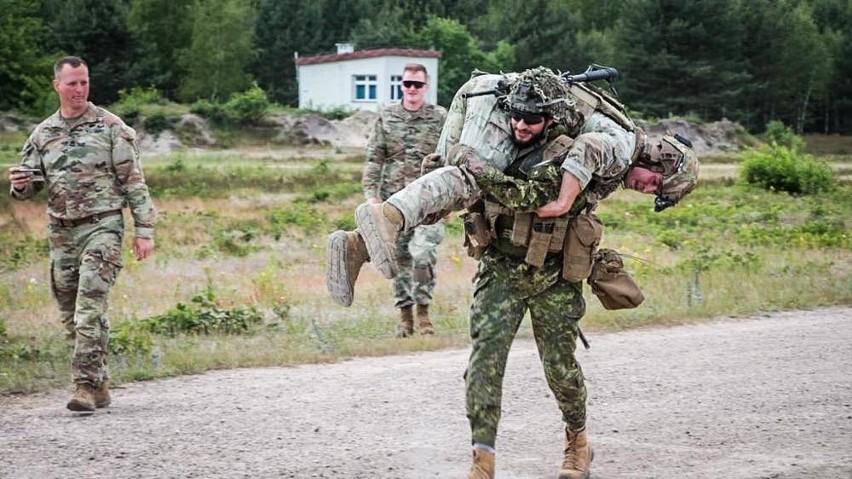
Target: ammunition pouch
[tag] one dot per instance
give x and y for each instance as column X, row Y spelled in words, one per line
column 581, row 241
column 613, row 286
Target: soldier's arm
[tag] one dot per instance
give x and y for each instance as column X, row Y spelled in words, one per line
column 27, row 179
column 568, row 191
column 521, row 195
column 128, row 172
column 371, row 179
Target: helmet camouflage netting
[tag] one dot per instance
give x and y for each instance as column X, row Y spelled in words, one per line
column 539, row 91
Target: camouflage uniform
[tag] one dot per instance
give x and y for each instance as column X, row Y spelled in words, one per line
column 482, row 128
column 399, row 141
column 505, row 287
column 92, row 170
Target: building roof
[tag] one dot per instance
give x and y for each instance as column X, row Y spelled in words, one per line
column 379, row 52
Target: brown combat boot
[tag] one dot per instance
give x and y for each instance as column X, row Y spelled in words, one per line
column 102, row 397
column 405, row 327
column 380, row 226
column 423, row 323
column 345, row 254
column 578, row 456
column 83, row 398
column 483, row 465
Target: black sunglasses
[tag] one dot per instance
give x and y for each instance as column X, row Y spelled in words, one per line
column 528, row 118
column 413, row 83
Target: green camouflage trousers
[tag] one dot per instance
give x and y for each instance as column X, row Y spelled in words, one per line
column 84, row 264
column 416, row 255
column 504, row 289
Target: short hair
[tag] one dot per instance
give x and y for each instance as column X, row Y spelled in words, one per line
column 69, row 60
column 415, row 67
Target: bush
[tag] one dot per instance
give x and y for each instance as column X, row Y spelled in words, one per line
column 215, row 112
column 203, row 316
column 247, row 108
column 779, row 168
column 155, row 123
column 250, row 106
column 129, row 104
column 781, row 135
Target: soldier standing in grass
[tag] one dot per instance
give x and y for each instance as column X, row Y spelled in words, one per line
column 88, row 160
column 527, row 165
column 404, row 133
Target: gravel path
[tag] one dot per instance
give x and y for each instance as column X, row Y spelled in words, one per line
column 763, row 397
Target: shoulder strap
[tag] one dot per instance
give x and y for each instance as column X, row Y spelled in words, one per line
column 557, row 148
column 589, row 100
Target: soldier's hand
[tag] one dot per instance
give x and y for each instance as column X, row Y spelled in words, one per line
column 142, row 248
column 20, row 177
column 431, row 162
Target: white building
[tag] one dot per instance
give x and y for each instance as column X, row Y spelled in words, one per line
column 360, row 80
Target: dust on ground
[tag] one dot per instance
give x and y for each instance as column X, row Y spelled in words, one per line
column 762, row 397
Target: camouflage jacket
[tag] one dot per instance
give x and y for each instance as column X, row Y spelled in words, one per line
column 91, row 165
column 399, row 141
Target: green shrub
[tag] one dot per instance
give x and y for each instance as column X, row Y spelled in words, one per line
column 215, row 112
column 131, row 338
column 2, row 328
column 156, row 123
column 779, row 168
column 129, row 104
column 203, row 316
column 248, row 107
column 781, row 135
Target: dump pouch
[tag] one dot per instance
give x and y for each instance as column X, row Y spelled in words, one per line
column 613, row 286
column 581, row 240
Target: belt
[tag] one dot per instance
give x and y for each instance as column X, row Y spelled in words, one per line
column 95, row 218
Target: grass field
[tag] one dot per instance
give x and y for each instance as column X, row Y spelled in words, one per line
column 240, row 251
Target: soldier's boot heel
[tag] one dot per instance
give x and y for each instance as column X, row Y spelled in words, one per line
column 380, row 234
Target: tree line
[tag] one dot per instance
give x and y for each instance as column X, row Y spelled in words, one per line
column 751, row 61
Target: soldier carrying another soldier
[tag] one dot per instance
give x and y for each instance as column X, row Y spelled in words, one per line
column 531, row 164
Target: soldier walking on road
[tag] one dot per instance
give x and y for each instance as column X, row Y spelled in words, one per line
column 88, row 161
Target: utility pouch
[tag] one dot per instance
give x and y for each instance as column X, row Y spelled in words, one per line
column 476, row 228
column 521, row 229
column 560, row 228
column 613, row 286
column 581, row 241
column 477, row 234
column 539, row 243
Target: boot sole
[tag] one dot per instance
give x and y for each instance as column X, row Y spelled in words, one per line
column 337, row 280
column 80, row 407
column 587, row 474
column 382, row 257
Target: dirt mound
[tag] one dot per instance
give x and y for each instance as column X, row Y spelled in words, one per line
column 717, row 138
column 313, row 129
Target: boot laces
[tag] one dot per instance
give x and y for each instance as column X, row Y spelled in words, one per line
column 570, row 461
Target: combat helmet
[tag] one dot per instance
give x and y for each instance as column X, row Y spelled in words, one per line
column 538, row 91
column 674, row 157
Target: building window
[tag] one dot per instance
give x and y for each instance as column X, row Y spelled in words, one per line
column 396, row 87
column 365, row 87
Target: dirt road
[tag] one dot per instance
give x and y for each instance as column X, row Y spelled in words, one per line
column 765, row 397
